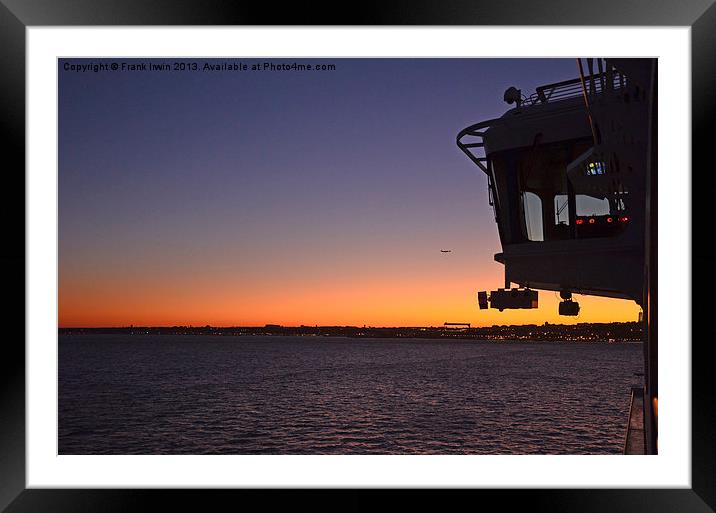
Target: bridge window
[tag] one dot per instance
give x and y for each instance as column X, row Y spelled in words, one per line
column 561, row 210
column 584, row 205
column 532, row 207
column 538, row 200
column 590, row 206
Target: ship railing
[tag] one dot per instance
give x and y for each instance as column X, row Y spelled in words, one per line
column 634, row 438
column 595, row 84
column 471, row 141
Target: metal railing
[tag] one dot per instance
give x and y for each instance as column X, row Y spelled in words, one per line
column 474, row 136
column 471, row 139
column 475, row 141
column 595, row 84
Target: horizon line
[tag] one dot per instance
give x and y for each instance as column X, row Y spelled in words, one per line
column 270, row 325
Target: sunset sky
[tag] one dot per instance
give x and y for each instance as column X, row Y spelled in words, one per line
column 295, row 197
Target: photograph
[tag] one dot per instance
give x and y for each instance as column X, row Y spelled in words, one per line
column 357, row 256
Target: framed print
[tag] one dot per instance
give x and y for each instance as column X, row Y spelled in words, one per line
column 255, row 258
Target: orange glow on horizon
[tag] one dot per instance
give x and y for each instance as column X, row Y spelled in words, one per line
column 407, row 300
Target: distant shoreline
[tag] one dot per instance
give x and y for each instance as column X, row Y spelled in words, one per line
column 591, row 332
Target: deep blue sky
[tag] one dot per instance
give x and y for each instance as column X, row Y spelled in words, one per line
column 250, row 187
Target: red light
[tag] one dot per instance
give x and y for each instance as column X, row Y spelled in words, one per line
column 624, row 219
column 610, row 220
column 579, row 221
column 592, row 220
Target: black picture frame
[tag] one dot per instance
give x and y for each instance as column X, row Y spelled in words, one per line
column 17, row 15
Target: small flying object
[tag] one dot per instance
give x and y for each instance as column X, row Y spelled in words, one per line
column 446, row 251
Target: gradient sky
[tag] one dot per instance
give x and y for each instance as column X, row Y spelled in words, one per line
column 246, row 198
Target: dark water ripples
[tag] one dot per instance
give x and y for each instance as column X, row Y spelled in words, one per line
column 122, row 394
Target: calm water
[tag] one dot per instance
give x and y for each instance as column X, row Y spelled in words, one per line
column 122, row 394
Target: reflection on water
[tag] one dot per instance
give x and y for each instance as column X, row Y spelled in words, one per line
column 121, row 394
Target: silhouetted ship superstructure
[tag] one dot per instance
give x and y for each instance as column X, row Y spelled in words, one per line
column 571, row 173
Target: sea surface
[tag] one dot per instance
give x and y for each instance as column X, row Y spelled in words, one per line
column 185, row 394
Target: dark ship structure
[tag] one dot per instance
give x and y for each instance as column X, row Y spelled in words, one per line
column 571, row 175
